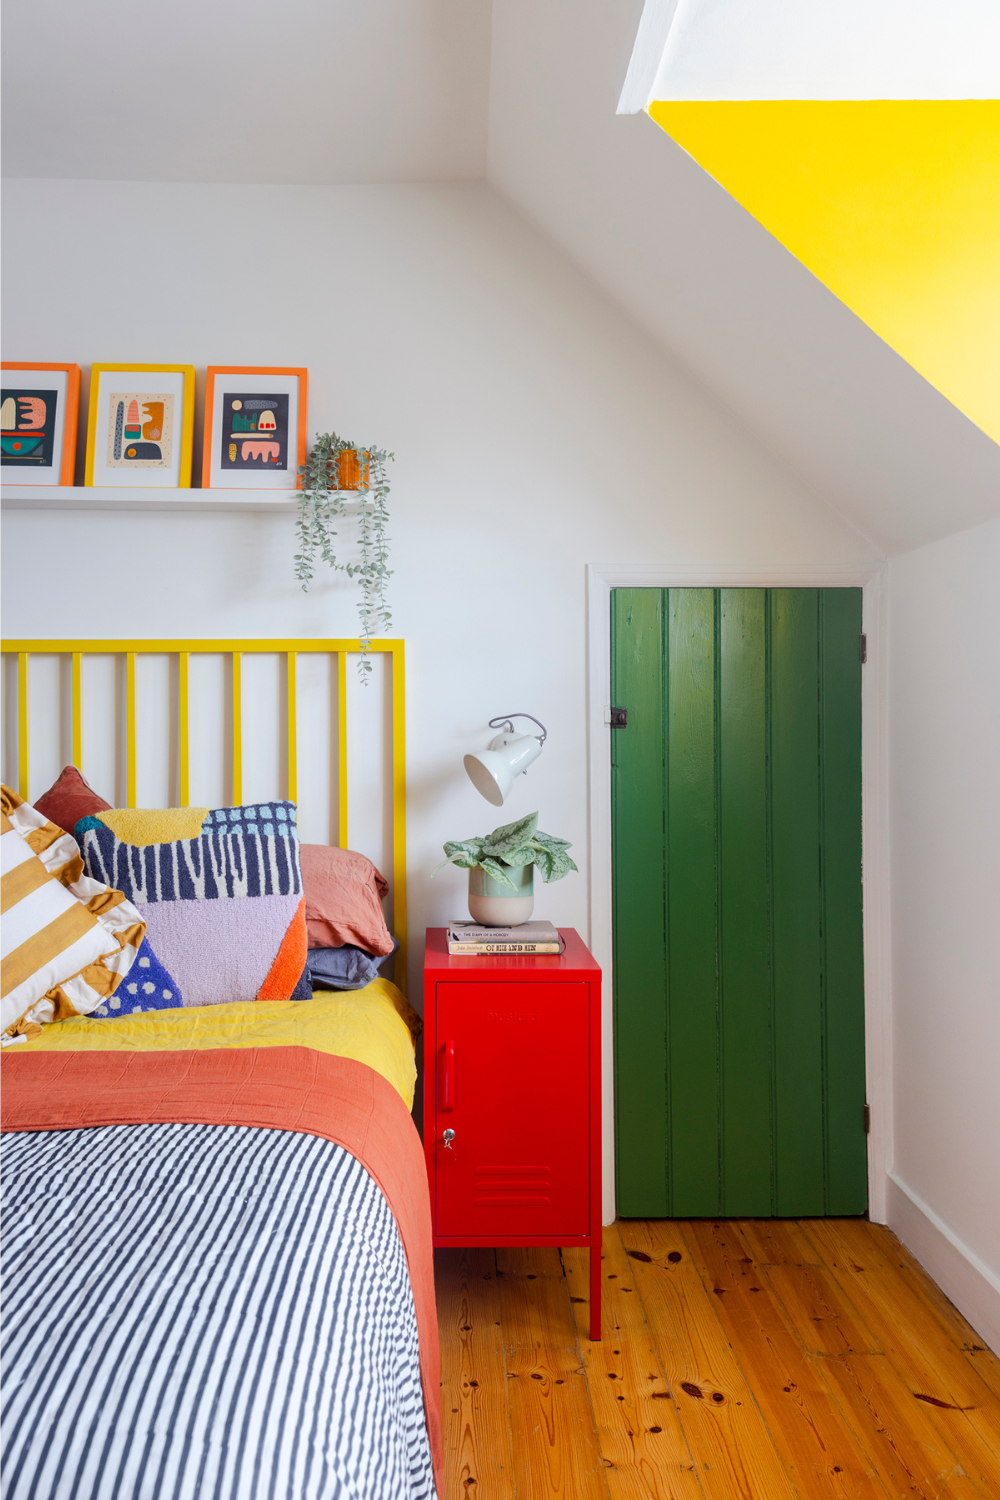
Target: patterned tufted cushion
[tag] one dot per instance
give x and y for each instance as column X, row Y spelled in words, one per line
column 220, row 890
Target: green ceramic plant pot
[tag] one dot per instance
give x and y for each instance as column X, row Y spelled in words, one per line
column 496, row 905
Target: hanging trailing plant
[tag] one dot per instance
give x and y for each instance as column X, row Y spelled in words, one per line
column 335, row 469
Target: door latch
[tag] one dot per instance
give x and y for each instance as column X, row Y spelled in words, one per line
column 618, row 718
column 448, row 1137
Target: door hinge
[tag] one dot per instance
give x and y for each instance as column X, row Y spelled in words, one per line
column 868, row 1119
column 618, row 718
column 862, row 649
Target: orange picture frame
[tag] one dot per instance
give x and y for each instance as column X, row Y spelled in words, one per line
column 301, row 424
column 67, row 463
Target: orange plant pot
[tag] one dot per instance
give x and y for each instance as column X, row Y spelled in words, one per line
column 352, row 469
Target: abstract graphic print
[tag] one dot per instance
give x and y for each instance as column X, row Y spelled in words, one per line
column 140, row 430
column 254, row 431
column 27, row 427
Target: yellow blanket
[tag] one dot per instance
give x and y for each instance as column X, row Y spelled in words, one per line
column 374, row 1025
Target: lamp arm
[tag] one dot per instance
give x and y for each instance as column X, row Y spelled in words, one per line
column 503, row 722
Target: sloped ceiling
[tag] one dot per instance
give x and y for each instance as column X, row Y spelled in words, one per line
column 866, row 138
column 691, row 265
column 856, row 49
column 894, row 204
column 348, row 91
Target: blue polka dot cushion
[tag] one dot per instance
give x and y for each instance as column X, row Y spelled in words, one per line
column 148, row 986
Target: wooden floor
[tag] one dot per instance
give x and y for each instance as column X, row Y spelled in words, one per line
column 763, row 1359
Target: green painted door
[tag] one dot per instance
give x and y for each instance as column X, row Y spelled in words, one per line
column 738, row 970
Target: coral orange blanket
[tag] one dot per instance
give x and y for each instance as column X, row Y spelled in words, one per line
column 279, row 1088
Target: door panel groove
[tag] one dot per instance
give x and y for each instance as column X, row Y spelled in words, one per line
column 739, row 1011
column 768, row 816
column 720, row 980
column 821, row 774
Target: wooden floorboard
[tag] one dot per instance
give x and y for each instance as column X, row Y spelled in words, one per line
column 901, row 1445
column 813, row 1433
column 881, row 1273
column 475, row 1414
column 733, row 1450
column 553, row 1435
column 939, row 1374
column 741, row 1360
column 639, row 1432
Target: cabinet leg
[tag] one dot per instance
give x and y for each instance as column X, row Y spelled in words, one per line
column 595, row 1286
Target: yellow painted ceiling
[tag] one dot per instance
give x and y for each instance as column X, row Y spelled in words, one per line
column 893, row 204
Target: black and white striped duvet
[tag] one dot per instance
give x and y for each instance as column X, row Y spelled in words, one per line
column 198, row 1311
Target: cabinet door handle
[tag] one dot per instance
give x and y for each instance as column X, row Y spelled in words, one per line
column 446, row 1078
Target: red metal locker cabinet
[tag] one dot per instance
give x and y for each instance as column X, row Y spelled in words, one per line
column 512, row 1092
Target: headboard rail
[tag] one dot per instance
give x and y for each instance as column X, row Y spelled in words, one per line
column 182, row 650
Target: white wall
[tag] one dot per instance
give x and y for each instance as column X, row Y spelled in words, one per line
column 944, row 778
column 535, row 429
column 387, row 91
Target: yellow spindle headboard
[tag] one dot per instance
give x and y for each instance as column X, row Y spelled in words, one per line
column 236, row 650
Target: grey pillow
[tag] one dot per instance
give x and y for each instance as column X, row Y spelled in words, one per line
column 346, row 968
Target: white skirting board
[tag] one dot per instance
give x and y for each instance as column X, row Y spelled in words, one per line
column 958, row 1271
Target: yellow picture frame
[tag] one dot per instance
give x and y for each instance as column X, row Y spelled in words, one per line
column 95, row 412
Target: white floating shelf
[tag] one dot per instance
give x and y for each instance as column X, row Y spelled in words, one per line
column 111, row 497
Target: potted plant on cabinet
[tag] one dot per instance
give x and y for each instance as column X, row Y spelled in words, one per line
column 501, row 868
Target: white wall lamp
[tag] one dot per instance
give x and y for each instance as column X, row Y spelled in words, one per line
column 492, row 772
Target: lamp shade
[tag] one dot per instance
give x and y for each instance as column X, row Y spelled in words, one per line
column 492, row 771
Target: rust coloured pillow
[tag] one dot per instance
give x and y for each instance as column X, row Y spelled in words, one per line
column 344, row 894
column 69, row 800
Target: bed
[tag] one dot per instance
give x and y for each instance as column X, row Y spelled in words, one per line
column 218, row 1250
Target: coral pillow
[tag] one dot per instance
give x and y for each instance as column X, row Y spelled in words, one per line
column 344, row 900
column 69, row 800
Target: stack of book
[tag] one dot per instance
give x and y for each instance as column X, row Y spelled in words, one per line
column 530, row 937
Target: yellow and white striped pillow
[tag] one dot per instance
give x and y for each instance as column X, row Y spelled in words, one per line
column 66, row 941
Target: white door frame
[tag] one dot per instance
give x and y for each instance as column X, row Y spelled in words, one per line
column 601, row 579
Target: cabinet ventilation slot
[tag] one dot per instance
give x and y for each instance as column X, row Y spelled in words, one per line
column 498, row 1187
column 495, row 1201
column 513, row 1172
